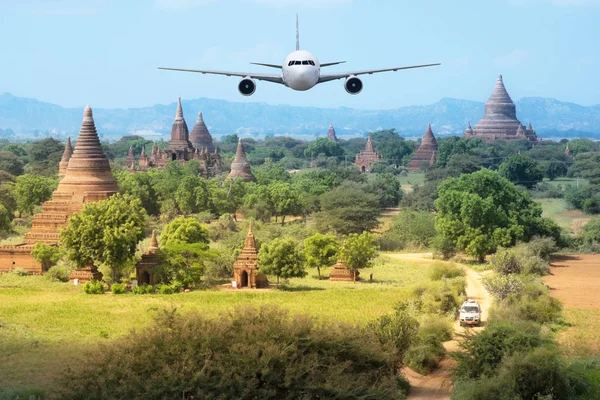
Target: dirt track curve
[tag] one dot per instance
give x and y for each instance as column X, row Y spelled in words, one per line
column 438, row 385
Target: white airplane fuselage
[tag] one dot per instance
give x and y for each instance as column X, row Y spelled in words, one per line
column 301, row 70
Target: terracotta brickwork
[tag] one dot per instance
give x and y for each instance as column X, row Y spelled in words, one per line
column 426, row 154
column 500, row 119
column 341, row 273
column 145, row 268
column 366, row 158
column 245, row 269
column 240, row 167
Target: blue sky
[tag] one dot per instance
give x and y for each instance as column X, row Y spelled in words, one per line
column 105, row 52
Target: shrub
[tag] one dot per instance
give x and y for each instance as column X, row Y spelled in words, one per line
column 501, row 286
column 505, row 262
column 22, row 395
column 543, row 247
column 438, row 297
column 391, row 241
column 176, row 286
column 18, row 271
column 142, row 289
column 435, row 326
column 443, row 247
column 441, row 271
column 59, row 273
column 248, row 353
column 397, row 330
column 424, row 357
column 165, row 289
column 94, row 287
column 482, row 353
column 117, row 288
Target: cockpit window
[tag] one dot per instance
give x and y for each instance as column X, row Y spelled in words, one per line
column 305, row 63
column 297, row 62
column 290, row 63
column 311, row 62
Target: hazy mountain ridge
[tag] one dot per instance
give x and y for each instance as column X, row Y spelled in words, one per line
column 550, row 118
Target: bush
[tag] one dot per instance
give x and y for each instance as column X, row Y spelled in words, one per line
column 391, row 241
column 397, row 330
column 435, row 326
column 248, row 353
column 18, row 271
column 94, row 287
column 142, row 289
column 501, row 286
column 443, row 247
column 165, row 289
column 505, row 262
column 539, row 374
column 438, row 297
column 482, row 353
column 22, row 395
column 543, row 247
column 59, row 273
column 415, row 228
column 441, row 271
column 424, row 357
column 117, row 288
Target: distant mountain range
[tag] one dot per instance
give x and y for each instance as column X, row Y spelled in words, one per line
column 24, row 118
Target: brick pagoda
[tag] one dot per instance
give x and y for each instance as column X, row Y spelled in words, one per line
column 144, row 269
column 240, row 167
column 331, row 133
column 500, row 119
column 64, row 161
column 245, row 269
column 426, row 154
column 367, row 157
column 87, row 179
column 341, row 273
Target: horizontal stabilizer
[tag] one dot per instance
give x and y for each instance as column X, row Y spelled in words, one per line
column 333, row 63
column 267, row 65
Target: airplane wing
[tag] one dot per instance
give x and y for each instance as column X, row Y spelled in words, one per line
column 341, row 75
column 262, row 77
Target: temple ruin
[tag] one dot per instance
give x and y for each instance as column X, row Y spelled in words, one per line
column 500, row 119
column 341, row 273
column 64, row 161
column 180, row 148
column 245, row 269
column 426, row 154
column 240, row 167
column 145, row 268
column 366, row 158
column 87, row 179
column 331, row 134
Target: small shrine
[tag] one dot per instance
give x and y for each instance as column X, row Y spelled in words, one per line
column 426, row 154
column 341, row 273
column 245, row 269
column 144, row 269
column 367, row 157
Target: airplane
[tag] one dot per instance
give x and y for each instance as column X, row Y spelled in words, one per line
column 300, row 71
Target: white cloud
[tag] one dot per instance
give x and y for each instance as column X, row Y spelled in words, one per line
column 181, row 4
column 514, row 59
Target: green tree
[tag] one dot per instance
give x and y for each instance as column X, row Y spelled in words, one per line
column 281, row 258
column 387, row 187
column 358, row 251
column 323, row 146
column 391, row 146
column 226, row 196
column 320, row 251
column 482, row 211
column 183, row 263
column 5, row 218
column 591, row 232
column 501, row 286
column 32, row 190
column 45, row 155
column 587, row 165
column 271, row 172
column 10, row 163
column 349, row 208
column 184, row 230
column 105, row 232
column 185, row 195
column 554, row 169
column 285, row 200
column 140, row 185
column 521, row 170
column 46, row 254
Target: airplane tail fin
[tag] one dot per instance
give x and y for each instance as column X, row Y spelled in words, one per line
column 297, row 35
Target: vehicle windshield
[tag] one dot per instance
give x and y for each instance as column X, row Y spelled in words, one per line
column 471, row 309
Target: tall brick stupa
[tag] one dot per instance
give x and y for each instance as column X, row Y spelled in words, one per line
column 87, row 179
column 426, row 154
column 240, row 167
column 499, row 120
column 200, row 136
column 367, row 157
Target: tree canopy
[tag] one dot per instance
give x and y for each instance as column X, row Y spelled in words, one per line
column 184, row 231
column 358, row 251
column 281, row 258
column 521, row 170
column 482, row 211
column 320, row 251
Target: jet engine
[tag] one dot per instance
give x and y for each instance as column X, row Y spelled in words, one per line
column 247, row 87
column 353, row 85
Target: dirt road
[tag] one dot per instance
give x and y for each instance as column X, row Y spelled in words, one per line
column 438, row 385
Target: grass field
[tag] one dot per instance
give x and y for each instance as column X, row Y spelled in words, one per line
column 570, row 220
column 46, row 325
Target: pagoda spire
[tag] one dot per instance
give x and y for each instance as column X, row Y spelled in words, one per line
column 331, row 133
column 64, row 162
column 240, row 167
column 369, row 145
